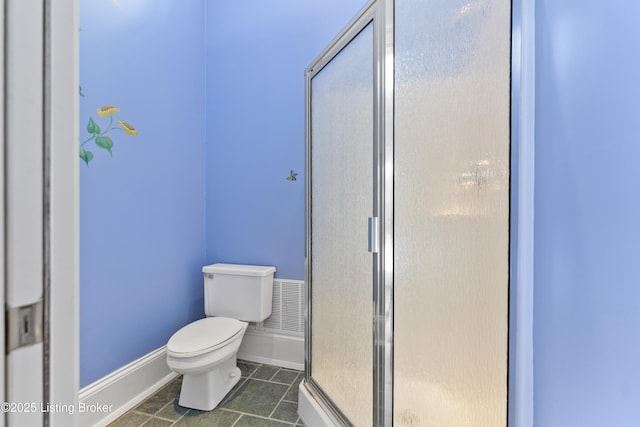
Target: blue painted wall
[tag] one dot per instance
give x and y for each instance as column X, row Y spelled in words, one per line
column 145, row 228
column 587, row 214
column 257, row 52
column 142, row 209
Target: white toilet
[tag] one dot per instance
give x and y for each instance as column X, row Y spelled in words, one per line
column 204, row 351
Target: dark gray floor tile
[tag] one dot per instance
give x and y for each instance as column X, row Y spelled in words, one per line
column 233, row 391
column 247, row 368
column 165, row 395
column 292, row 393
column 215, row 418
column 265, row 372
column 286, row 411
column 257, row 397
column 172, row 411
column 130, row 419
column 285, row 376
column 157, row 422
column 258, row 400
column 249, row 421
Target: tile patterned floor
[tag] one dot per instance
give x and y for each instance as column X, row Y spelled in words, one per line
column 265, row 396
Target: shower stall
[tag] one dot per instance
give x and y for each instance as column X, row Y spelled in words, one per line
column 408, row 166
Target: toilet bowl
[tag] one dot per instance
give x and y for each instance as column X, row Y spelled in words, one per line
column 204, row 351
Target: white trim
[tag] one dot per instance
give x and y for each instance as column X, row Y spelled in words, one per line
column 3, row 379
column 62, row 135
column 522, row 396
column 124, row 389
column 24, row 144
column 286, row 351
column 24, row 209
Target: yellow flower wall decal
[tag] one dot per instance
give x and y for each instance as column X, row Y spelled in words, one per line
column 99, row 136
column 107, row 110
column 130, row 130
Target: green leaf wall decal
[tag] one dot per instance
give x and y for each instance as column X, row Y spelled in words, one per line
column 92, row 127
column 86, row 155
column 104, row 142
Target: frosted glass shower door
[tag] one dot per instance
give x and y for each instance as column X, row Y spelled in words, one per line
column 341, row 176
column 451, row 217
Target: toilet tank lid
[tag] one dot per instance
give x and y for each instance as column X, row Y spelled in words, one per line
column 239, row 269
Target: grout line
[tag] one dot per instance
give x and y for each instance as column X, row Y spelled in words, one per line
column 165, row 419
column 135, row 411
column 257, row 367
column 269, row 381
column 129, row 412
column 146, row 421
column 181, row 417
column 291, row 386
column 274, row 375
column 242, row 414
column 229, row 397
column 160, row 418
column 167, row 404
column 279, row 402
column 236, row 421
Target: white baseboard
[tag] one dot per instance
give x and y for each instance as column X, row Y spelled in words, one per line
column 274, row 349
column 113, row 395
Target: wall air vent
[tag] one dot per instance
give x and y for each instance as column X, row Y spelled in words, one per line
column 289, row 302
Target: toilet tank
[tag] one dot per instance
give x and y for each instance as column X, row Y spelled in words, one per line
column 238, row 291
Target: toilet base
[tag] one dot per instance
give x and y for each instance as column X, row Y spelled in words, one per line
column 206, row 390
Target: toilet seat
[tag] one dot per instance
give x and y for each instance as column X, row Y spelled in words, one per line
column 203, row 336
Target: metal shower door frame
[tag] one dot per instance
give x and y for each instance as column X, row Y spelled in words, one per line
column 520, row 361
column 380, row 15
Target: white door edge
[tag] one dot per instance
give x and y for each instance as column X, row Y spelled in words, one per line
column 24, row 190
column 2, row 216
column 39, row 179
column 63, row 133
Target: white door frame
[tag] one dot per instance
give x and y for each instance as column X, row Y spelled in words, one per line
column 62, row 107
column 2, row 215
column 24, row 210
column 40, row 210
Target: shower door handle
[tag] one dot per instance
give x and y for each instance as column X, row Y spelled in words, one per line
column 373, row 234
